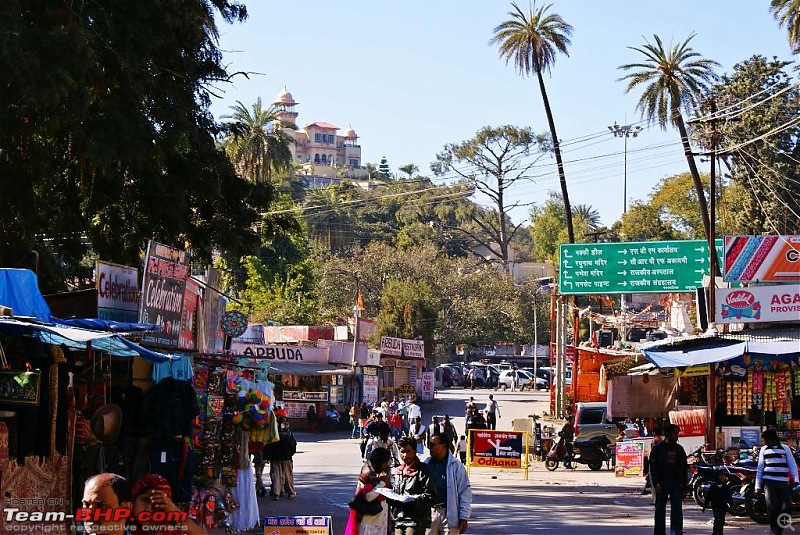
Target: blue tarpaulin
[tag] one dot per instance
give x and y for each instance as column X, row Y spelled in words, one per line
column 19, row 289
column 99, row 324
column 712, row 350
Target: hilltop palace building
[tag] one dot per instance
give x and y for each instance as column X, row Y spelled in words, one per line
column 317, row 150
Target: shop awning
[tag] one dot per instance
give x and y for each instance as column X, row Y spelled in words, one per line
column 710, row 350
column 297, row 368
column 76, row 338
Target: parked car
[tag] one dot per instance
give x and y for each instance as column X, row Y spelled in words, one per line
column 592, row 421
column 524, row 379
column 444, row 376
column 542, row 373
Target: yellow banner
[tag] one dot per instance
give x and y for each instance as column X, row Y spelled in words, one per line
column 694, row 371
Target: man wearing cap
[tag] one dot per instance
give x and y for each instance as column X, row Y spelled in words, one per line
column 105, row 492
column 776, row 468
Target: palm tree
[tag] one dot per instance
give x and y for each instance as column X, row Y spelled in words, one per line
column 257, row 144
column 532, row 41
column 673, row 79
column 588, row 214
column 408, row 169
column 787, row 13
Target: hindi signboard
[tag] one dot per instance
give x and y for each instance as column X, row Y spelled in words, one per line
column 427, row 386
column 630, row 459
column 762, row 258
column 163, row 284
column 634, row 267
column 297, row 525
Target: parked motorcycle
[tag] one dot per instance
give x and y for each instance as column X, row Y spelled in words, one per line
column 736, row 477
column 592, row 453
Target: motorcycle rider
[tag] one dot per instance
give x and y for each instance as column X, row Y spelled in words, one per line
column 567, row 434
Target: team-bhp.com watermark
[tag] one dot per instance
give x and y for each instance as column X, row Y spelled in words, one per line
column 106, row 520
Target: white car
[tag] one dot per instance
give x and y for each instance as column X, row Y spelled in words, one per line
column 523, row 379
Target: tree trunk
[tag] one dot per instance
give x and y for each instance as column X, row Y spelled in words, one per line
column 557, row 150
column 698, row 184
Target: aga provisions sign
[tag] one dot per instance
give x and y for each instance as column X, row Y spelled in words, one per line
column 758, row 304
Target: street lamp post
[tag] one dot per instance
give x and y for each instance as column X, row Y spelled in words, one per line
column 625, row 131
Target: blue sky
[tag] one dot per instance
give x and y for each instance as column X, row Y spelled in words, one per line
column 411, row 76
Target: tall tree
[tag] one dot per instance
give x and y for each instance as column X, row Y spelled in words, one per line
column 531, row 41
column 409, row 169
column 257, row 144
column 107, row 138
column 674, row 79
column 764, row 135
column 787, row 13
column 384, row 170
column 492, row 162
column 588, row 214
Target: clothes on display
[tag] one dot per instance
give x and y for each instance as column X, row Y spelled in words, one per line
column 180, row 369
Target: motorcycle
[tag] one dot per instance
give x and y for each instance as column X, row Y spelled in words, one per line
column 736, row 476
column 592, row 453
column 756, row 504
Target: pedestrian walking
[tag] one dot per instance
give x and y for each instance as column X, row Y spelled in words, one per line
column 450, row 433
column 363, row 418
column 413, row 410
column 462, row 449
column 355, row 431
column 473, row 377
column 492, row 412
column 396, row 423
column 658, row 436
column 668, row 472
column 452, row 502
column 420, row 433
column 375, row 475
column 718, row 498
column 514, row 379
column 281, row 466
column 776, row 465
column 414, row 481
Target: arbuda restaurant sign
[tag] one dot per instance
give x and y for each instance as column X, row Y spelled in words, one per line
column 401, row 347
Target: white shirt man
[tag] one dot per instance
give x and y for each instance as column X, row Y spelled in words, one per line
column 413, row 411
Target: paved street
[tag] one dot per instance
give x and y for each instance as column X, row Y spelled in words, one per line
column 567, row 502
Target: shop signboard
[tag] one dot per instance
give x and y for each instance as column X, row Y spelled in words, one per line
column 297, row 525
column 370, row 394
column 757, row 304
column 391, row 346
column 694, row 371
column 305, row 396
column 751, row 436
column 414, row 349
column 406, row 390
column 117, row 292
column 629, row 459
column 191, row 300
column 163, row 284
column 634, row 267
column 427, row 386
column 296, row 410
column 762, row 258
column 282, row 353
column 497, row 449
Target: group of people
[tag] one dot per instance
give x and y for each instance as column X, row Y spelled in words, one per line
column 399, row 414
column 668, row 465
column 427, row 498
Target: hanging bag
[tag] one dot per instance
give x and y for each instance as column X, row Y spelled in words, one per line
column 362, row 506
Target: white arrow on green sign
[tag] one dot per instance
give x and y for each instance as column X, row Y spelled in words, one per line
column 634, row 267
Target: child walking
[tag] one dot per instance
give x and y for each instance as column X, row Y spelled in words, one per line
column 462, row 449
column 718, row 497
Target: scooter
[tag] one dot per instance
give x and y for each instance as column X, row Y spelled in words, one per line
column 592, row 453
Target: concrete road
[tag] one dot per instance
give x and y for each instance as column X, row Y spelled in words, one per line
column 564, row 502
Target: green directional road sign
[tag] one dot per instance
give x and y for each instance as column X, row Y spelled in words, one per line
column 634, row 267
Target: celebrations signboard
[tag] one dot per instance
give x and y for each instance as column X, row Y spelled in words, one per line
column 163, row 284
column 117, row 292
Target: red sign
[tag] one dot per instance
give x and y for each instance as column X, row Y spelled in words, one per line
column 497, row 449
column 692, row 430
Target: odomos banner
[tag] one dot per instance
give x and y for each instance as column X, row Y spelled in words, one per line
column 497, row 449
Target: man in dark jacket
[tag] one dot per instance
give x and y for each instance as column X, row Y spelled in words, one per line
column 279, row 454
column 413, row 480
column 668, row 474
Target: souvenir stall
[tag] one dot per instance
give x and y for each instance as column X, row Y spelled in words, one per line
column 236, row 418
column 753, row 383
